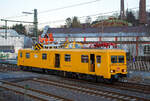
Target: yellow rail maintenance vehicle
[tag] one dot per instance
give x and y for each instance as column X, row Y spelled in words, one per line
column 100, row 64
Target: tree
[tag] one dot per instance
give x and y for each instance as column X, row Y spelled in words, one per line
column 75, row 23
column 19, row 28
column 68, row 22
column 88, row 20
column 2, row 27
column 131, row 18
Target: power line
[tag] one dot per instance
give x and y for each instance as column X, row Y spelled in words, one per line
column 16, row 21
column 61, row 20
column 11, row 17
column 56, row 9
column 70, row 6
column 92, row 15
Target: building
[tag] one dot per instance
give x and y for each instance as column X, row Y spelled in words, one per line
column 11, row 42
column 142, row 12
column 122, row 13
column 135, row 40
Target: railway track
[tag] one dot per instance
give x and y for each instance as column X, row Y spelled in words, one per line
column 91, row 91
column 6, row 67
column 133, row 87
column 33, row 93
column 140, row 88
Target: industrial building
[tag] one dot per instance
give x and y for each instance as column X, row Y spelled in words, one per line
column 135, row 40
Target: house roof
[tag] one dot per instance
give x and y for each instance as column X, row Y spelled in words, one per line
column 98, row 32
column 139, row 29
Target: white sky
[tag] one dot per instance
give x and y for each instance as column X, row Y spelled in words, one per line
column 12, row 8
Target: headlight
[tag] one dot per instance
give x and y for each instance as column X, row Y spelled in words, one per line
column 112, row 71
column 123, row 70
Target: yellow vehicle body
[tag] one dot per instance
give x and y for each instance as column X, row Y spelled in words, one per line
column 85, row 61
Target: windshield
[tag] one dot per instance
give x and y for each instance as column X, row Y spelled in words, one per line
column 120, row 59
column 117, row 59
column 113, row 59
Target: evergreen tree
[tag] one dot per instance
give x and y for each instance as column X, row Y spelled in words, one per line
column 75, row 23
column 19, row 28
column 68, row 22
column 131, row 18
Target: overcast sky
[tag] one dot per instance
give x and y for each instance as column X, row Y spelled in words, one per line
column 14, row 8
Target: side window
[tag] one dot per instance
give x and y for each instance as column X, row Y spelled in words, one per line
column 121, row 59
column 27, row 55
column 67, row 57
column 44, row 56
column 98, row 58
column 113, row 59
column 84, row 59
column 21, row 54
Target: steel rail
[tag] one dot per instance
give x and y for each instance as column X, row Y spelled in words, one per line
column 35, row 90
column 92, row 91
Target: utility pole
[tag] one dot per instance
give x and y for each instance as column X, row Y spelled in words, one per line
column 35, row 25
column 35, row 22
column 5, row 29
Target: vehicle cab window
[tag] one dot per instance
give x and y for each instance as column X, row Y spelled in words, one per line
column 120, row 59
column 117, row 59
column 113, row 59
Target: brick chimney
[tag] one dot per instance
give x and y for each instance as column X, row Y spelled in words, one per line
column 122, row 14
column 142, row 12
